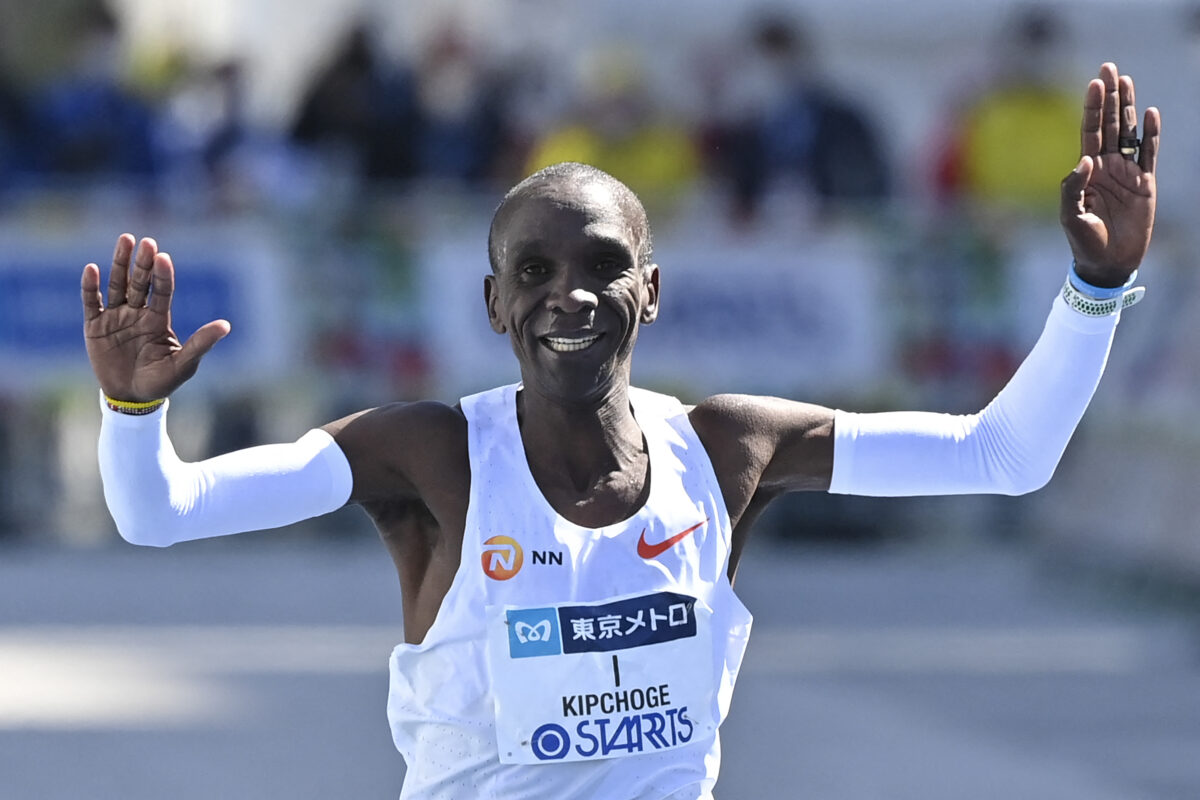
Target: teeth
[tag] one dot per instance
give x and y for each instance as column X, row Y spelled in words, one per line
column 562, row 345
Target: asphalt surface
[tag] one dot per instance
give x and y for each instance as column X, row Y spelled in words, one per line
column 257, row 669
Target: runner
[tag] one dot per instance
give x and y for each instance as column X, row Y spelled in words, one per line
column 566, row 545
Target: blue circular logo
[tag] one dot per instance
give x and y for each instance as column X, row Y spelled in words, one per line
column 550, row 742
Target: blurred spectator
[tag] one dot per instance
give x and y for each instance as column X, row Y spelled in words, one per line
column 227, row 128
column 1010, row 146
column 12, row 127
column 788, row 126
column 1183, row 195
column 534, row 96
column 459, row 103
column 219, row 159
column 361, row 106
column 86, row 123
column 8, row 476
column 207, row 123
column 615, row 127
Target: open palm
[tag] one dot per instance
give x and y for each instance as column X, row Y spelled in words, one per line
column 1108, row 200
column 133, row 350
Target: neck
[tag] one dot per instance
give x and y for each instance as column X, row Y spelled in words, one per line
column 580, row 445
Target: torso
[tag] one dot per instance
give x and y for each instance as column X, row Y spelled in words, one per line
column 422, row 525
column 600, row 567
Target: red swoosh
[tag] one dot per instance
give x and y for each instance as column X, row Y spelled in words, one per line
column 647, row 550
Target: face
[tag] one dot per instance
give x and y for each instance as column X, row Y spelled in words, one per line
column 569, row 291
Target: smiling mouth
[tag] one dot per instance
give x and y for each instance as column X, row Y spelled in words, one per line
column 570, row 344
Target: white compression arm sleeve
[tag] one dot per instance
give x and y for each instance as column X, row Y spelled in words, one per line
column 1011, row 447
column 156, row 499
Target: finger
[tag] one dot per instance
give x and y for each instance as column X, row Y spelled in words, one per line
column 1151, row 124
column 1090, row 136
column 89, row 286
column 199, row 343
column 162, row 284
column 118, row 277
column 139, row 276
column 1127, row 141
column 1111, row 117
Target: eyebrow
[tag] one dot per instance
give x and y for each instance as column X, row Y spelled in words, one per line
column 607, row 244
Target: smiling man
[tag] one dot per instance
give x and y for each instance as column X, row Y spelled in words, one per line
column 566, row 545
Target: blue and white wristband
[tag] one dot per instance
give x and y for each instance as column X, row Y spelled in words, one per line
column 1098, row 301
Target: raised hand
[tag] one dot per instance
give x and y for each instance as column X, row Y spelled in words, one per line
column 134, row 352
column 1107, row 207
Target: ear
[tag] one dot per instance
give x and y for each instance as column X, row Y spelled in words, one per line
column 490, row 298
column 650, row 295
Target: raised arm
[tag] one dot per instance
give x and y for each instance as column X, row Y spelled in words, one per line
column 155, row 497
column 1014, row 444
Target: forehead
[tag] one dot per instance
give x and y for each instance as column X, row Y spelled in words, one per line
column 560, row 214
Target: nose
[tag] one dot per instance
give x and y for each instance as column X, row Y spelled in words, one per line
column 568, row 295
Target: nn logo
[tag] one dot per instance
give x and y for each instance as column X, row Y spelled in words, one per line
column 502, row 558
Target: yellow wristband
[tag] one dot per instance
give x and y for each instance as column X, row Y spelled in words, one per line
column 132, row 408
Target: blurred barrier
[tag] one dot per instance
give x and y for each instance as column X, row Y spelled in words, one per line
column 225, row 271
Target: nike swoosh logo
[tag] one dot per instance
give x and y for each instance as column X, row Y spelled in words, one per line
column 647, row 550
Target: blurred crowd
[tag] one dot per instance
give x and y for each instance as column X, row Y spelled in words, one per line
column 759, row 117
column 451, row 113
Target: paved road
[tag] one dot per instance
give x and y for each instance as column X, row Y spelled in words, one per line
column 257, row 670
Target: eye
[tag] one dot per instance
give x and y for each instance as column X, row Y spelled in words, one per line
column 608, row 265
column 533, row 268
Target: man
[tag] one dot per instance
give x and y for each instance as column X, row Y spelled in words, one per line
column 566, row 546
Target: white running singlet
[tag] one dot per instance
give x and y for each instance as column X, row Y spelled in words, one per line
column 576, row 662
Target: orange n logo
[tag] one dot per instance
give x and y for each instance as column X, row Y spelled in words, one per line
column 502, row 558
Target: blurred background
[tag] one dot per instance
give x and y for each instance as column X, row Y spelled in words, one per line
column 854, row 203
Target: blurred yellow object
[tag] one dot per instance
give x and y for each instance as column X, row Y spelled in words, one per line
column 1018, row 143
column 656, row 160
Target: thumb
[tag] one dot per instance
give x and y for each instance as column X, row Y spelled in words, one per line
column 200, row 342
column 1074, row 184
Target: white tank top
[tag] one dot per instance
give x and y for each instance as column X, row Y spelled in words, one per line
column 568, row 661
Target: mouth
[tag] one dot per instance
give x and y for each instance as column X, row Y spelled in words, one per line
column 570, row 344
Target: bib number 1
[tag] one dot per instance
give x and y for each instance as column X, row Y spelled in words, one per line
column 606, row 680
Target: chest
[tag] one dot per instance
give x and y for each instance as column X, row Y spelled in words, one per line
column 658, row 523
column 595, row 503
column 516, row 552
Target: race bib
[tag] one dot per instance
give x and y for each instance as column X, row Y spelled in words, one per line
column 604, row 680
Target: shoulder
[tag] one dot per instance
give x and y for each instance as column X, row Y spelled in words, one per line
column 724, row 409
column 729, row 427
column 397, row 448
column 772, row 439
column 748, row 415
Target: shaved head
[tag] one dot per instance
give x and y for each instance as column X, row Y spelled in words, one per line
column 568, row 177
